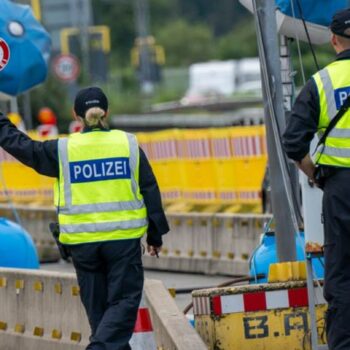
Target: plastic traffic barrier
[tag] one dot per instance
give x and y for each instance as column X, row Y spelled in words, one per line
column 161, row 149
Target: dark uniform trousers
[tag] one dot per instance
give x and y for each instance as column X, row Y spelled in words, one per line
column 336, row 213
column 110, row 277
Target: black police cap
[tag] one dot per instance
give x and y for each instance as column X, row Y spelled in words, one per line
column 88, row 98
column 340, row 24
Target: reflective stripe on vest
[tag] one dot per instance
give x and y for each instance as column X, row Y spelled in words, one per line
column 328, row 88
column 104, row 226
column 333, row 87
column 98, row 207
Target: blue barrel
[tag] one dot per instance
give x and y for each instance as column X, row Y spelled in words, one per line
column 266, row 254
column 17, row 248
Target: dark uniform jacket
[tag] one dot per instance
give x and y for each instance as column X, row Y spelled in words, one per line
column 303, row 123
column 43, row 157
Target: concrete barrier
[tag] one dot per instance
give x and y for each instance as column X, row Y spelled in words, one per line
column 198, row 242
column 209, row 243
column 41, row 310
column 173, row 330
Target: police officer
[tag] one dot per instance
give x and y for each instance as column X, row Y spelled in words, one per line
column 107, row 198
column 318, row 102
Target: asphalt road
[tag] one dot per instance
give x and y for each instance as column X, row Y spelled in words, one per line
column 170, row 279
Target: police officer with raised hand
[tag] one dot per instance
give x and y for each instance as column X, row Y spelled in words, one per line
column 318, row 103
column 107, row 198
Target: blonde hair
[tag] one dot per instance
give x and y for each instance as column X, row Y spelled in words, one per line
column 95, row 116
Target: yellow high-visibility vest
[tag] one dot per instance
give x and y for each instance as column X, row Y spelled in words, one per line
column 333, row 85
column 97, row 194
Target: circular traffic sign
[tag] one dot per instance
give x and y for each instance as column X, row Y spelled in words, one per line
column 4, row 54
column 66, row 67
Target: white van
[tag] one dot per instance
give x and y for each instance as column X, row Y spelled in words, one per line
column 217, row 79
column 248, row 79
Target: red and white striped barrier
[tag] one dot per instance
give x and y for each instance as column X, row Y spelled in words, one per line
column 219, row 305
column 143, row 336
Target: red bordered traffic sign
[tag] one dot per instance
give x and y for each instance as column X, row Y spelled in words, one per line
column 4, row 54
column 66, row 67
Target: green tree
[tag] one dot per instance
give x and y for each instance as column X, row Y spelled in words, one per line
column 52, row 94
column 119, row 16
column 186, row 43
column 239, row 43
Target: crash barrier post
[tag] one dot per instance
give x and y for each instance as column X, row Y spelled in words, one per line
column 267, row 316
column 173, row 331
column 41, row 310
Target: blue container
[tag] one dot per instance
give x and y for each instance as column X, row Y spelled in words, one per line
column 266, row 254
column 17, row 248
column 315, row 11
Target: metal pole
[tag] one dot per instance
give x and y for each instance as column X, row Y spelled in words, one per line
column 142, row 30
column 265, row 21
column 27, row 113
column 80, row 17
column 85, row 6
column 288, row 94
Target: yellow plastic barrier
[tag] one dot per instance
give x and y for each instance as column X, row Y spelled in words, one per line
column 200, row 177
column 250, row 161
column 219, row 167
column 22, row 184
column 161, row 149
column 240, row 160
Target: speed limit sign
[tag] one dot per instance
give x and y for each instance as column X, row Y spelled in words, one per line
column 66, row 67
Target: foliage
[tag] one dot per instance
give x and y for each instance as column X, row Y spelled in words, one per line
column 240, row 42
column 119, row 16
column 186, row 43
column 52, row 94
column 171, row 22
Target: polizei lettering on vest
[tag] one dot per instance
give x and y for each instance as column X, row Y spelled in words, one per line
column 99, row 170
column 340, row 96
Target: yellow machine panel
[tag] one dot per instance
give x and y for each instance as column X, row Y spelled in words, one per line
column 279, row 329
